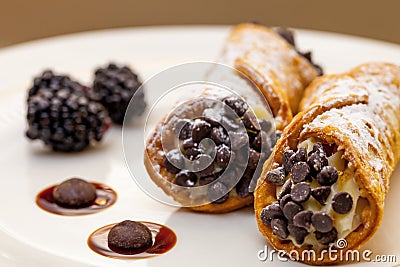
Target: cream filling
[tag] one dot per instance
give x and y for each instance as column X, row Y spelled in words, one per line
column 344, row 223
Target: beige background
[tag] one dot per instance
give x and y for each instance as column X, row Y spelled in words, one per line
column 26, row 20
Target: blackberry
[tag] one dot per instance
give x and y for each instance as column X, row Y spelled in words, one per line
column 63, row 114
column 115, row 87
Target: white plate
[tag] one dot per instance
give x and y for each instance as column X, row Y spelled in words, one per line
column 30, row 236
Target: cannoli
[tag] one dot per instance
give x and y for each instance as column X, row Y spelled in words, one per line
column 329, row 173
column 216, row 177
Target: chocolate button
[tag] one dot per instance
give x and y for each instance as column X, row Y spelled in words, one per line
column 74, row 192
column 326, row 238
column 129, row 235
column 276, row 176
column 303, row 219
column 287, row 164
column 321, row 194
column 286, row 188
column 300, row 172
column 250, row 121
column 291, row 209
column 279, row 228
column 342, row 202
column 317, row 161
column 201, row 129
column 173, row 161
column 298, row 233
column 322, row 222
column 301, row 192
column 270, row 212
column 327, row 176
column 186, row 178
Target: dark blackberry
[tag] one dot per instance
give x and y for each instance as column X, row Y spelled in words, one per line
column 115, row 87
column 63, row 114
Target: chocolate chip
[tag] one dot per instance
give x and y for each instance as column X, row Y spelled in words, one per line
column 254, row 158
column 188, row 143
column 279, row 228
column 218, row 192
column 276, row 176
column 321, row 194
column 130, row 235
column 301, row 192
column 285, row 199
column 261, row 142
column 223, row 156
column 230, row 124
column 238, row 105
column 286, row 188
column 212, row 116
column 218, row 135
column 201, row 129
column 174, row 161
column 301, row 155
column 186, row 178
column 326, row 238
column 203, row 165
column 265, row 125
column 342, row 202
column 183, row 129
column 238, row 139
column 298, row 233
column 193, row 152
column 250, row 121
column 300, row 172
column 271, row 212
column 318, row 147
column 287, row 35
column 242, row 187
column 291, row 209
column 206, row 180
column 74, row 193
column 303, row 219
column 322, row 222
column 327, row 176
column 317, row 161
column 286, row 162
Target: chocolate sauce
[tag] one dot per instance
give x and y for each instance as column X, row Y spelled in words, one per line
column 106, row 197
column 164, row 239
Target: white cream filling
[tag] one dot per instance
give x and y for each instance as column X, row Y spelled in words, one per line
column 344, row 223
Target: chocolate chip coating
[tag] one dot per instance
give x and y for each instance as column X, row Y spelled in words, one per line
column 300, row 172
column 342, row 202
column 265, row 125
column 201, row 129
column 327, row 176
column 183, row 129
column 298, row 233
column 238, row 139
column 326, row 238
column 186, row 178
column 223, row 156
column 130, row 235
column 276, row 176
column 322, row 222
column 301, row 192
column 303, row 219
column 218, row 135
column 291, row 209
column 218, row 192
column 74, row 193
column 279, row 228
column 203, row 165
column 271, row 212
column 261, row 142
column 285, row 199
column 242, row 187
column 301, row 155
column 321, row 194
